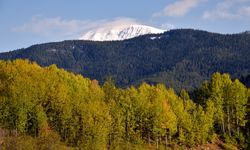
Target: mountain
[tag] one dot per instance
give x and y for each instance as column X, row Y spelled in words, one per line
column 181, row 58
column 120, row 32
column 247, row 32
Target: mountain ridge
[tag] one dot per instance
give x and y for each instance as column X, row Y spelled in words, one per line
column 117, row 33
column 181, row 58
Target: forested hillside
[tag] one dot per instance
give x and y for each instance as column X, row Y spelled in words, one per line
column 40, row 102
column 178, row 58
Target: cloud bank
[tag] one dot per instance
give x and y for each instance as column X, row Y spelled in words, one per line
column 229, row 9
column 178, row 8
column 121, row 22
column 58, row 27
column 62, row 29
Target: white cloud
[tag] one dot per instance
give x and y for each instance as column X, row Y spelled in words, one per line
column 58, row 27
column 116, row 22
column 62, row 29
column 244, row 11
column 178, row 8
column 228, row 9
column 219, row 13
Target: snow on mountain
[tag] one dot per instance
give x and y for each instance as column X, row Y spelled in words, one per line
column 120, row 32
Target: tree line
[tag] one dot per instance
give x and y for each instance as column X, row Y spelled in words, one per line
column 180, row 59
column 38, row 101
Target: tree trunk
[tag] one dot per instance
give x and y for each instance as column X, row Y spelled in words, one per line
column 223, row 126
column 159, row 140
column 109, row 143
column 170, row 139
column 238, row 127
column 228, row 122
column 148, row 138
column 166, row 141
column 157, row 143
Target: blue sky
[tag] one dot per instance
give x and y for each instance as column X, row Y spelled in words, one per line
column 27, row 22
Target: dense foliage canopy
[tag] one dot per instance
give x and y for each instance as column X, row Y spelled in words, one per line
column 40, row 101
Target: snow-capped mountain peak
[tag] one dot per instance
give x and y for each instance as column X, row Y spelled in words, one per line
column 119, row 32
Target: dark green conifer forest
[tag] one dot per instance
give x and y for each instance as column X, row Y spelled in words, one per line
column 50, row 108
column 180, row 59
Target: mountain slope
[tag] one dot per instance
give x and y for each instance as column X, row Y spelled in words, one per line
column 178, row 58
column 121, row 32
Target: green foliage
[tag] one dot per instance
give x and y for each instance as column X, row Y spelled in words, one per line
column 54, row 106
